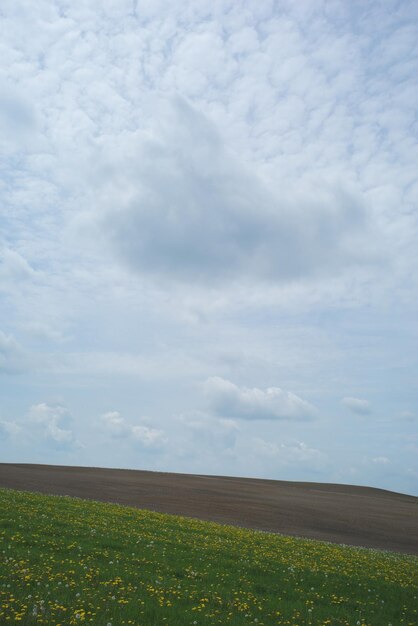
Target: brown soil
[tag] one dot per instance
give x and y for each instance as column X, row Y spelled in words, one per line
column 360, row 516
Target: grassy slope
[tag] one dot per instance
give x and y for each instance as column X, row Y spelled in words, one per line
column 69, row 561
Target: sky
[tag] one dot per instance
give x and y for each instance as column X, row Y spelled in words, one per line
column 208, row 237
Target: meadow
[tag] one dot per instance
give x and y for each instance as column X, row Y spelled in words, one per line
column 70, row 561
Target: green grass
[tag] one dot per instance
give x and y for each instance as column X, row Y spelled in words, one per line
column 69, row 561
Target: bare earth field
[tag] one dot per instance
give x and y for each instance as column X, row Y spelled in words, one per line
column 359, row 516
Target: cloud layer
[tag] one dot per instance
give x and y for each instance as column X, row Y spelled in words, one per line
column 186, row 209
column 221, row 192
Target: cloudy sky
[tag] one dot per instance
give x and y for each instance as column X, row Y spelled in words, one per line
column 208, row 228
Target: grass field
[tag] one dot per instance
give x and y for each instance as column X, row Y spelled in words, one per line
column 69, row 561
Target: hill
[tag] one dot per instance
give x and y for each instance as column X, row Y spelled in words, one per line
column 346, row 514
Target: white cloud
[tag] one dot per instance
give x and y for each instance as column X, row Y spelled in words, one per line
column 295, row 453
column 44, row 331
column 228, row 400
column 115, row 424
column 381, row 460
column 149, row 437
column 408, row 416
column 12, row 355
column 357, row 405
column 17, row 118
column 9, row 429
column 216, row 434
column 13, row 267
column 53, row 422
column 118, row 426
